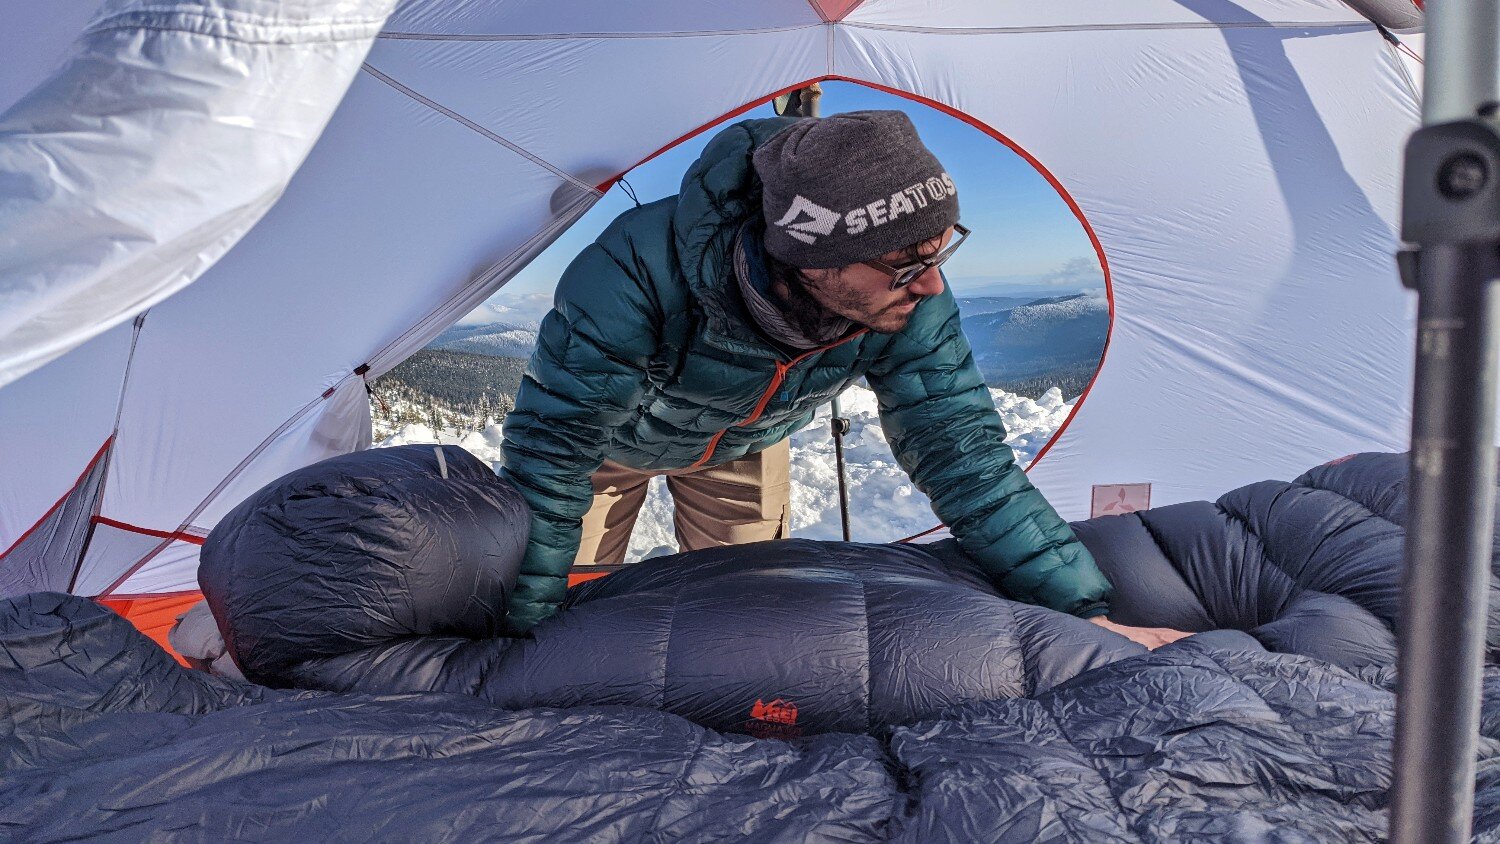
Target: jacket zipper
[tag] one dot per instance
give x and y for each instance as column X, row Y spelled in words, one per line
column 782, row 367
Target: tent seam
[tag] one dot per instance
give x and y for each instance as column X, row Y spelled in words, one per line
column 464, row 121
column 562, row 221
column 1362, row 23
column 135, row 339
column 181, row 535
column 139, row 325
column 190, row 22
column 108, row 591
column 1394, row 47
column 589, row 36
column 830, row 26
column 72, row 488
column 97, row 508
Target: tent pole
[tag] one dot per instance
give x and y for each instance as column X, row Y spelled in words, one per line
column 1451, row 223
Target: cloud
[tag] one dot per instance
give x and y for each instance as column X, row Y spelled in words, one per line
column 512, row 309
column 1075, row 273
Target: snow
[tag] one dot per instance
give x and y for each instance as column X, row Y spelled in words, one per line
column 1070, row 308
column 884, row 504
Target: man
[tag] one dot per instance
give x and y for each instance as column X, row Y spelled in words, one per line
column 699, row 331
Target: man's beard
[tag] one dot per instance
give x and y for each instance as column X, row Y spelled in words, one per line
column 813, row 319
column 810, row 318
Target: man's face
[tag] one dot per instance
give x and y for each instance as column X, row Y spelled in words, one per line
column 863, row 294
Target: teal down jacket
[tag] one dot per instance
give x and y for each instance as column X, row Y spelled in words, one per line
column 650, row 358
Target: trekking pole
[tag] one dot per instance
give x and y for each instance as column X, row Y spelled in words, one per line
column 803, row 102
column 1450, row 221
column 840, row 427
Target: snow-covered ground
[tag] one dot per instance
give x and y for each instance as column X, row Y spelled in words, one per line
column 884, row 505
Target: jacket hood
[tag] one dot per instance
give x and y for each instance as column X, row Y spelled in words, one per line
column 720, row 191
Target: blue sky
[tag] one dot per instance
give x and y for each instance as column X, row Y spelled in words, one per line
column 1025, row 239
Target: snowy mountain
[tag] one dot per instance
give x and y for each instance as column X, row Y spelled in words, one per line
column 496, row 339
column 976, row 305
column 1041, row 344
column 884, row 505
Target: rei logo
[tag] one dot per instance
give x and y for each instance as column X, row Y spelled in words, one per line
column 774, row 719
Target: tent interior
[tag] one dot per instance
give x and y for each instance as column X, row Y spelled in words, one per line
column 220, row 220
column 1237, row 166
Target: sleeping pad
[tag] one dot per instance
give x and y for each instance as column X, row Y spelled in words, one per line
column 782, row 691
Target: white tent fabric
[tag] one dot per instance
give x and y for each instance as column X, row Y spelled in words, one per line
column 169, row 132
column 1237, row 162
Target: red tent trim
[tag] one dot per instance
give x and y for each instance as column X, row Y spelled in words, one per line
column 179, row 536
column 833, row 11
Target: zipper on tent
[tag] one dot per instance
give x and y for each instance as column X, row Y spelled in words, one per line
column 782, row 367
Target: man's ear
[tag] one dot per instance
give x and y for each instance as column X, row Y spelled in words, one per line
column 815, row 279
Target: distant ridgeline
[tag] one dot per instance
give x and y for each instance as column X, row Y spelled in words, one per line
column 1028, row 346
column 469, row 375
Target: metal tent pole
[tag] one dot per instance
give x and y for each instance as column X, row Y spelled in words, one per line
column 1451, row 223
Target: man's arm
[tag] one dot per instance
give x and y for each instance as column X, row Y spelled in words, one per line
column 586, row 377
column 941, row 422
column 942, row 425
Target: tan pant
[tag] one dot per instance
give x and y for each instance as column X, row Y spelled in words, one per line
column 745, row 500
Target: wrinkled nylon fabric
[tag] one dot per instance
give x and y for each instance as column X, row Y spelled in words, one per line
column 1212, row 739
column 363, row 549
column 1310, row 566
column 889, row 692
column 97, row 225
column 858, row 638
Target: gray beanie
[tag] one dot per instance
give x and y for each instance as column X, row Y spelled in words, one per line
column 849, row 188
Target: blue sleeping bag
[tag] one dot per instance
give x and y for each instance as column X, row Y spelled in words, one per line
column 788, row 691
column 406, row 563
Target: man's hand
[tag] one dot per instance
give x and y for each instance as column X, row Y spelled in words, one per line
column 1151, row 637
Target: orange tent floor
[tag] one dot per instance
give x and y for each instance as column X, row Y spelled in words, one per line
column 155, row 616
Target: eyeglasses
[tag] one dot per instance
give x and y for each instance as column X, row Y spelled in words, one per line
column 908, row 273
